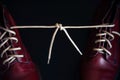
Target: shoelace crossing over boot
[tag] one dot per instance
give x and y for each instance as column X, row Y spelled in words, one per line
column 15, row 61
column 101, row 60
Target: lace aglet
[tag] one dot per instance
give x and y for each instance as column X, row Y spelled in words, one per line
column 79, row 50
column 80, row 53
column 48, row 62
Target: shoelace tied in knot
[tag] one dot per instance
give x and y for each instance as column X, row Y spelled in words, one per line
column 59, row 27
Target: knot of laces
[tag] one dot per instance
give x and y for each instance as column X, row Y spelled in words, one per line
column 103, row 38
column 64, row 29
column 4, row 40
column 59, row 26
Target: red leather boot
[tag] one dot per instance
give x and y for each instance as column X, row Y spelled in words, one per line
column 15, row 61
column 101, row 61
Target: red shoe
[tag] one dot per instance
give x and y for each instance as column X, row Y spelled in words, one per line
column 101, row 60
column 15, row 61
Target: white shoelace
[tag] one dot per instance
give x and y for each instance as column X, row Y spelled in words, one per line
column 58, row 27
column 64, row 29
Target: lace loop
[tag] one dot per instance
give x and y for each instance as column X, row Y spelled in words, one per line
column 114, row 32
column 12, row 58
column 102, row 50
column 8, row 30
column 104, row 40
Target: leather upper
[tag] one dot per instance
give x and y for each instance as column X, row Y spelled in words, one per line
column 22, row 68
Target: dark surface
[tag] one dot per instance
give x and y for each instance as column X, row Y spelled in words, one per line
column 65, row 59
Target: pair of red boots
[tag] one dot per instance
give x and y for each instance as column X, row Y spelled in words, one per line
column 100, row 61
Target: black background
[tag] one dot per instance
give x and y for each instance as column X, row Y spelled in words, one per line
column 65, row 59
